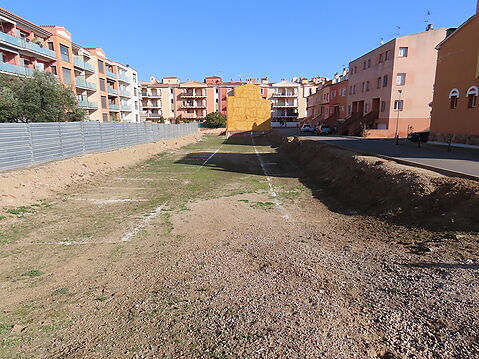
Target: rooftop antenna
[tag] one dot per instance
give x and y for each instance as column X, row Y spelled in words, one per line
column 382, row 41
column 398, row 28
column 428, row 17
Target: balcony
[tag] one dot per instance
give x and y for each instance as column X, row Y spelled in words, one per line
column 84, row 84
column 123, row 77
column 192, row 95
column 112, row 91
column 65, row 58
column 284, row 105
column 126, row 108
column 15, row 69
column 78, row 62
column 124, row 93
column 154, row 115
column 194, row 105
column 284, row 94
column 27, row 45
column 113, row 107
column 87, row 104
column 110, row 74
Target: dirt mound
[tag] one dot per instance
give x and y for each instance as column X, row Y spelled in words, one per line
column 23, row 186
column 379, row 187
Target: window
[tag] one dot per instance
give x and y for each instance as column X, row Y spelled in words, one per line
column 403, row 51
column 367, row 86
column 387, row 55
column 472, row 97
column 355, row 69
column 51, row 46
column 381, row 58
column 380, row 80
column 54, row 70
column 67, row 76
column 136, row 105
column 364, row 65
column 103, row 102
column 369, row 63
column 399, row 105
column 383, row 106
column 385, row 80
column 101, row 67
column 363, row 86
column 350, row 90
column 102, row 85
column 135, row 92
column 401, row 79
column 349, row 109
column 135, row 80
column 354, row 90
column 64, row 52
column 366, row 108
column 105, row 117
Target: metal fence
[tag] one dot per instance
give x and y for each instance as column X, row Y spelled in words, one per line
column 26, row 144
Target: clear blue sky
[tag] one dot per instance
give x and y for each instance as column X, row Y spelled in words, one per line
column 239, row 38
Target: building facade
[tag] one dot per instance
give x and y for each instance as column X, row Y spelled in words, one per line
column 455, row 110
column 172, row 100
column 104, row 88
column 393, row 84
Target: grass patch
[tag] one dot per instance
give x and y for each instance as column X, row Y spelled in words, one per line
column 102, row 299
column 2, row 218
column 244, row 200
column 263, row 205
column 33, row 273
column 19, row 211
column 61, row 291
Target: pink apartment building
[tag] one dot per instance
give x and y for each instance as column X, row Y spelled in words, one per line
column 393, row 81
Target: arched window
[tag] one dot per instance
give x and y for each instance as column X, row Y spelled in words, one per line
column 454, row 96
column 472, row 96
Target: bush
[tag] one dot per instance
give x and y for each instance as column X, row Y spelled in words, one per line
column 215, row 120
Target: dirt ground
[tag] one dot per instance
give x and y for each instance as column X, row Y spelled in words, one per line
column 221, row 249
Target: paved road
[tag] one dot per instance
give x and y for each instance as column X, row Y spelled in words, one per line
column 458, row 160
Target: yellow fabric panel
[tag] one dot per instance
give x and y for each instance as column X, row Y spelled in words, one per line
column 247, row 111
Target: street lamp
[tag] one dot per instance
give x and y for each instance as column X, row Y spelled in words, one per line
column 397, row 120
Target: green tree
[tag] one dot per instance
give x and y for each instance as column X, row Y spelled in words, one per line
column 38, row 99
column 215, row 120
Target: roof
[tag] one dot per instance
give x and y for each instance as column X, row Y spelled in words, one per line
column 286, row 84
column 458, row 29
column 170, row 77
column 25, row 23
column 193, row 84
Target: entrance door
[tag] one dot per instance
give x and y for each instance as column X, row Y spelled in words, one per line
column 361, row 107
column 376, row 105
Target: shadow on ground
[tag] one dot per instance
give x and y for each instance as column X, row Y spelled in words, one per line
column 349, row 190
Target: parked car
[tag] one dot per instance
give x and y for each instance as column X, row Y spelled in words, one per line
column 306, row 128
column 418, row 136
column 324, row 130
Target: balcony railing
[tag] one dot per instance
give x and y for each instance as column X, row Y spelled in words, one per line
column 153, row 105
column 113, row 107
column 15, row 69
column 87, row 104
column 126, row 108
column 123, row 78
column 16, row 41
column 154, row 115
column 110, row 74
column 77, row 61
column 192, row 95
column 84, row 84
column 195, row 105
column 112, row 91
column 124, row 93
column 283, row 104
column 285, row 94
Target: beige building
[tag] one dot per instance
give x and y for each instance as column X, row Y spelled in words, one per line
column 393, row 81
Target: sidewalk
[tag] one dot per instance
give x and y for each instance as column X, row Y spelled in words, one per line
column 435, row 157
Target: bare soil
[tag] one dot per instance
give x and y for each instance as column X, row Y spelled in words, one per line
column 223, row 249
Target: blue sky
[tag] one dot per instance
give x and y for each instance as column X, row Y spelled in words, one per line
column 240, row 39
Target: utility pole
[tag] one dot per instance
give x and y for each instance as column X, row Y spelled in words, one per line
column 399, row 108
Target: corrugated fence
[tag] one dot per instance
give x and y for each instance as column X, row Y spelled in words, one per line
column 26, row 144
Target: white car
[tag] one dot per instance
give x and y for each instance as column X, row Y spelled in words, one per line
column 306, row 128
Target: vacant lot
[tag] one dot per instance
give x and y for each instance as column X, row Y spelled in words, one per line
column 218, row 250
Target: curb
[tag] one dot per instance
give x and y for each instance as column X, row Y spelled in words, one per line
column 443, row 171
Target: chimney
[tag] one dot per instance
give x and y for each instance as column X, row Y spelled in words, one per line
column 430, row 27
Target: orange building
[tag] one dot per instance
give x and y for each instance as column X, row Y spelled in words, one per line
column 455, row 110
column 393, row 84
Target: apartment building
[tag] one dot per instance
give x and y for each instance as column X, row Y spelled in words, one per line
column 23, row 46
column 455, row 110
column 107, row 89
column 393, row 84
